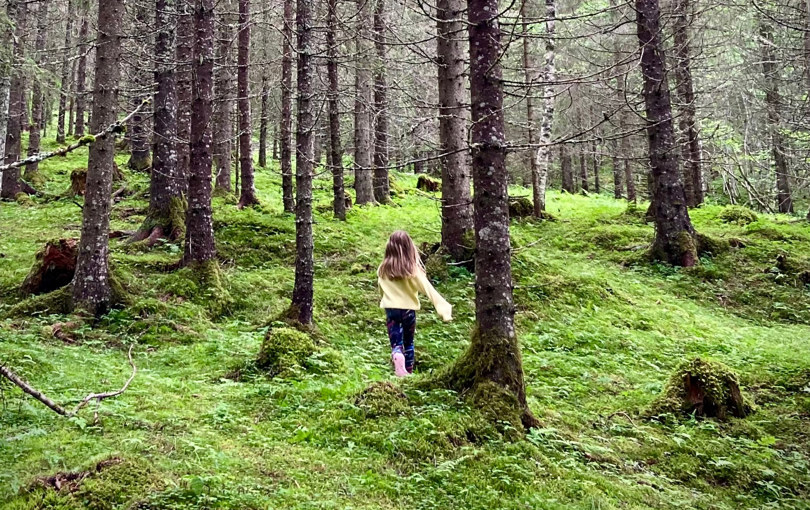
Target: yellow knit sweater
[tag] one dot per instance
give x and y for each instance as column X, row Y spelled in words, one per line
column 404, row 294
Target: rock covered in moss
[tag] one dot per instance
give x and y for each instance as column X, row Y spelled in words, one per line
column 520, row 207
column 703, row 388
column 382, row 398
column 737, row 214
column 428, row 184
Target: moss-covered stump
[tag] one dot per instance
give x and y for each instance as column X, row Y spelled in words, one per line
column 24, row 199
column 708, row 245
column 436, row 265
column 704, row 388
column 395, row 189
column 382, row 398
column 520, row 207
column 78, row 183
column 227, row 195
column 204, row 285
column 428, row 184
column 737, row 214
column 347, row 201
column 285, row 351
column 141, row 162
column 53, row 267
column 57, row 302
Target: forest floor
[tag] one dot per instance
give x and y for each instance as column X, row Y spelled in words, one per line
column 601, row 330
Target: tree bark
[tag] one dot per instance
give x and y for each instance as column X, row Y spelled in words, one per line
column 32, row 174
column 675, row 238
column 81, row 69
column 263, row 121
column 528, row 81
column 302, row 298
column 92, row 290
column 363, row 185
column 381, row 191
column 457, row 220
column 183, row 86
column 597, row 186
column 165, row 217
column 335, row 152
column 200, row 248
column 140, row 158
column 286, row 109
column 493, row 358
column 773, row 100
column 583, row 169
column 64, row 85
column 247, row 196
column 687, row 122
column 223, row 100
column 623, row 144
column 6, row 68
column 11, row 184
column 542, row 158
column 566, row 170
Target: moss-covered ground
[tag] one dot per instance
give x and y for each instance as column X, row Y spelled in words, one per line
column 601, row 331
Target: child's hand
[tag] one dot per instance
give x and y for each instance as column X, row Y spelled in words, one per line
column 447, row 318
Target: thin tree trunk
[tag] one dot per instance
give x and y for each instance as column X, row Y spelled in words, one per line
column 542, row 158
column 381, row 192
column 566, row 170
column 275, row 141
column 457, row 219
column 528, row 80
column 223, row 100
column 32, row 174
column 263, row 121
column 140, row 158
column 286, row 109
column 363, row 185
column 675, row 238
column 11, row 184
column 773, row 102
column 583, row 169
column 183, row 77
column 81, row 70
column 623, row 144
column 71, row 108
column 6, row 68
column 335, row 152
column 597, row 186
column 687, row 122
column 92, row 290
column 200, row 249
column 247, row 197
column 165, row 217
column 64, row 85
column 492, row 365
column 304, row 263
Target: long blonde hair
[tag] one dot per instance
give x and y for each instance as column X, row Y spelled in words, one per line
column 401, row 258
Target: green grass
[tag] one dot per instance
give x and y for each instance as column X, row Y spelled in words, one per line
column 600, row 329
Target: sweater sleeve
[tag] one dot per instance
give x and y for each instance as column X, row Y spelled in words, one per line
column 443, row 308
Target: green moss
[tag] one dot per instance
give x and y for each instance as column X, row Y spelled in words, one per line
column 87, row 140
column 395, row 189
column 284, row 352
column 382, row 398
column 202, row 282
column 228, row 196
column 520, row 207
column 428, row 184
column 737, row 214
column 56, row 302
column 706, row 388
column 707, row 244
column 24, row 200
column 436, row 265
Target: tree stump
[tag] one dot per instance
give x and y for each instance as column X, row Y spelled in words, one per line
column 520, row 207
column 347, row 201
column 425, row 183
column 54, row 267
column 78, row 183
column 703, row 388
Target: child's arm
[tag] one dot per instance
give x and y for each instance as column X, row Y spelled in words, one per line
column 443, row 308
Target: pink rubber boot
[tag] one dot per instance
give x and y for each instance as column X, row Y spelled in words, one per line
column 399, row 364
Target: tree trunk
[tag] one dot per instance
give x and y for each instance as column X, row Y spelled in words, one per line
column 263, row 121
column 675, row 238
column 247, row 196
column 457, row 220
column 542, row 158
column 687, row 122
column 583, row 169
column 64, row 85
column 183, row 55
column 566, row 170
column 165, row 217
column 71, row 108
column 223, row 100
column 595, row 161
column 140, row 158
column 623, row 144
column 304, row 262
column 492, row 367
column 381, row 192
column 6, row 68
column 363, row 185
column 32, row 174
column 275, row 141
column 335, row 152
column 773, row 102
column 200, row 249
column 81, row 69
column 286, row 109
column 11, row 184
column 528, row 81
column 92, row 290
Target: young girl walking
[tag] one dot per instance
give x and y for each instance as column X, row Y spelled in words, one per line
column 401, row 277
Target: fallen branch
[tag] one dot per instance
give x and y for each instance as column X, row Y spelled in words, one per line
column 112, row 129
column 98, row 397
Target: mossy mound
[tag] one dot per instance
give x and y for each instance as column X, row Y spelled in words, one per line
column 201, row 283
column 228, row 196
column 498, row 406
column 737, row 214
column 708, row 245
column 704, row 388
column 24, row 200
column 382, row 398
column 285, row 352
column 395, row 189
column 57, row 302
column 520, row 207
column 428, row 184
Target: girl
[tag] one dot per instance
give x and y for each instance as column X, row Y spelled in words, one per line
column 401, row 277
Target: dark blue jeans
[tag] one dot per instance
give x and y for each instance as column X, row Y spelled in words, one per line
column 401, row 328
